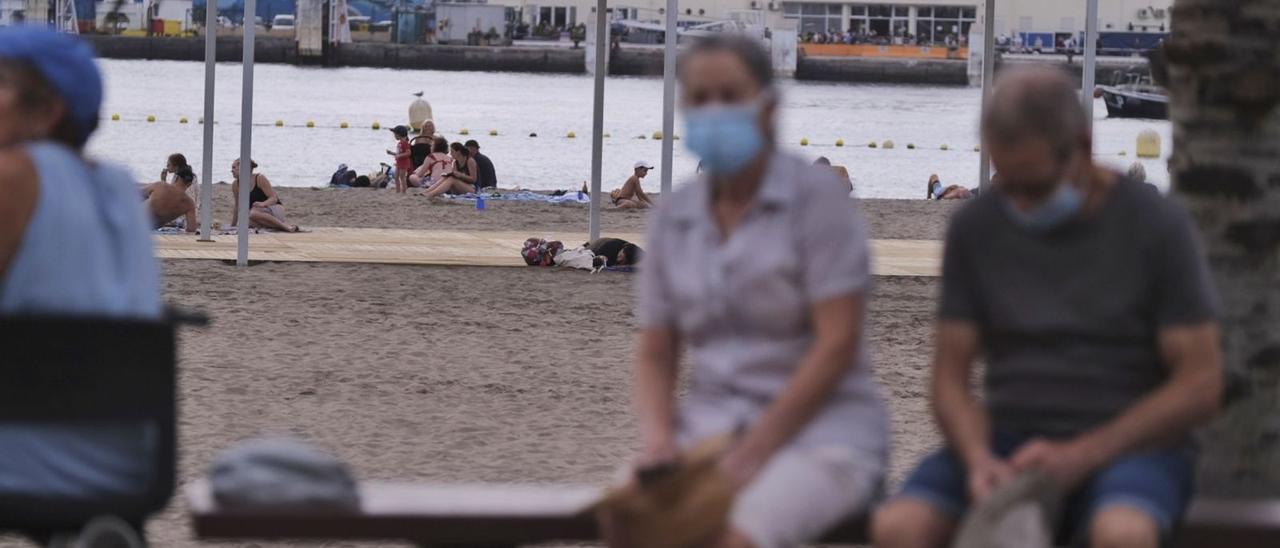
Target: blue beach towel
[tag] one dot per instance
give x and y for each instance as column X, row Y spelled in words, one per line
column 527, row 196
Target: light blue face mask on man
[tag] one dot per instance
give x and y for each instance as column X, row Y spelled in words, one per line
column 725, row 137
column 1060, row 207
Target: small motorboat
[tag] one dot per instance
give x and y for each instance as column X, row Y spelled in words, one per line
column 1137, row 98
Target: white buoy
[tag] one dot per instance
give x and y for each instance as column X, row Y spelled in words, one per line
column 419, row 112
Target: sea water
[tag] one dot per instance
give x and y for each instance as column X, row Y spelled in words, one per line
column 553, row 106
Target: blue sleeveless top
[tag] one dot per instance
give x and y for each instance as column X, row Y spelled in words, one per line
column 87, row 249
column 86, row 252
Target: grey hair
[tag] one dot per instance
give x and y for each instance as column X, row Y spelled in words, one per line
column 1036, row 102
column 746, row 49
column 1137, row 172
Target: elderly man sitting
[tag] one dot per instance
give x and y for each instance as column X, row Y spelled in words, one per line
column 1088, row 296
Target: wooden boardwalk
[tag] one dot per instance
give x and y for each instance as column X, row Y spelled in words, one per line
column 464, row 248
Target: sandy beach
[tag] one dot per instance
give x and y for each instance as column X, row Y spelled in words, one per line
column 461, row 374
column 890, row 219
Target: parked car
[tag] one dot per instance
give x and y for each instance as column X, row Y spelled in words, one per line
column 381, row 26
column 282, row 22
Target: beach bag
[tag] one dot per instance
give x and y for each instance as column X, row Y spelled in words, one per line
column 580, row 258
column 540, row 252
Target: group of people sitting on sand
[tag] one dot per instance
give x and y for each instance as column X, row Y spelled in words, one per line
column 170, row 204
column 432, row 163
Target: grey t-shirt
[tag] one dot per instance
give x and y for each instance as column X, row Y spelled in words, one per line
column 1069, row 318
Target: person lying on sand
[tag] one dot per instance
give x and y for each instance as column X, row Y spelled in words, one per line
column 616, row 251
column 954, row 192
column 631, row 195
column 167, row 202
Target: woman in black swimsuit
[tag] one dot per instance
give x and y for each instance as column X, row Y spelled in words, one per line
column 265, row 208
column 459, row 181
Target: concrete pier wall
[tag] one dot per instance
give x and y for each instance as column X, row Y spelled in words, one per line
column 886, row 71
column 627, row 61
column 358, row 54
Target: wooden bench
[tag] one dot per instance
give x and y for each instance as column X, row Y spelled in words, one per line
column 488, row 515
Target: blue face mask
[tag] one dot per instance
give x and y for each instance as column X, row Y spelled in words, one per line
column 1060, row 207
column 725, row 137
column 937, row 190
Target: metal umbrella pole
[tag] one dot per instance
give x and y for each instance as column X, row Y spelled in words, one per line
column 1090, row 58
column 669, row 96
column 246, row 137
column 597, row 120
column 988, row 76
column 210, row 75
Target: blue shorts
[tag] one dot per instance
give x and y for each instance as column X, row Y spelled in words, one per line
column 1158, row 483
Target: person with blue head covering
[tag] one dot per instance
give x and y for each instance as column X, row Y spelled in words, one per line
column 74, row 241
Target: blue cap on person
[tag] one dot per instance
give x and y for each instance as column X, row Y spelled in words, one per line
column 66, row 62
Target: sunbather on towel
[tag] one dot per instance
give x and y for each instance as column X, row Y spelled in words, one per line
column 953, row 192
column 434, row 166
column 631, row 195
column 616, row 251
column 266, row 210
column 167, row 202
column 458, row 179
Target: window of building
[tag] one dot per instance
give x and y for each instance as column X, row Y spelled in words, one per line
column 937, row 24
column 815, row 18
column 879, row 20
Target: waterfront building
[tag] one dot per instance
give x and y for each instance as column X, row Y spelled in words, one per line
column 928, row 19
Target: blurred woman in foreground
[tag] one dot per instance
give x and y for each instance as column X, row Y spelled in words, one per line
column 74, row 241
column 761, row 269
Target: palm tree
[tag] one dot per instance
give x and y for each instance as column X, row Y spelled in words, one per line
column 1223, row 77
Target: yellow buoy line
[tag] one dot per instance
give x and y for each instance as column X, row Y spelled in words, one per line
column 1147, row 142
